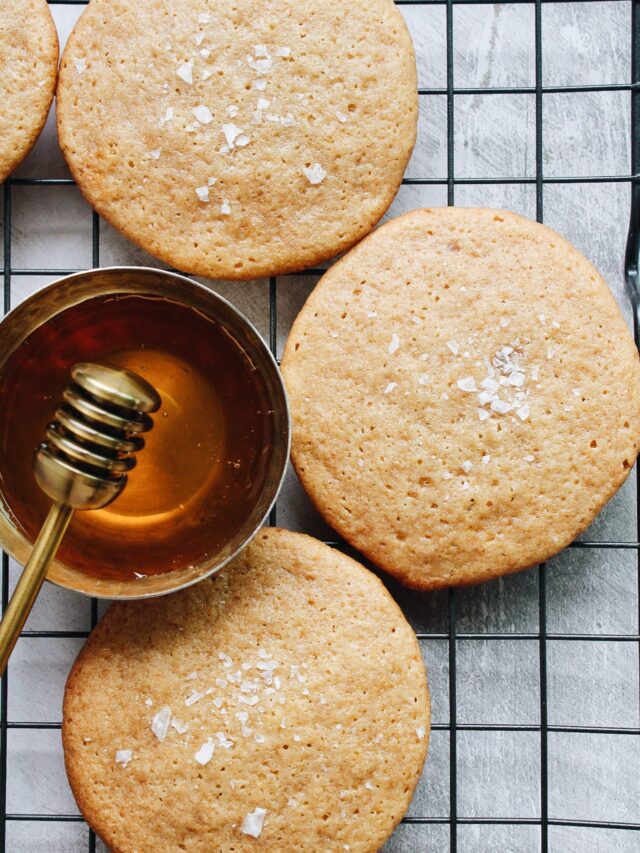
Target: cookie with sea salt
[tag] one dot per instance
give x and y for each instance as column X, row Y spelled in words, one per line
column 29, row 62
column 280, row 706
column 239, row 139
column 465, row 395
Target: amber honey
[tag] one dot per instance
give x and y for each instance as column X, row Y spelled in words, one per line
column 204, row 463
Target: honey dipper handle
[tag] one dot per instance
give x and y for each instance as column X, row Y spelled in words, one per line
column 32, row 578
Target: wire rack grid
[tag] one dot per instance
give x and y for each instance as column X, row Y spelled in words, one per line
column 442, row 620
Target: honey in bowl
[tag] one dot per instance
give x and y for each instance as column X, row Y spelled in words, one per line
column 205, row 461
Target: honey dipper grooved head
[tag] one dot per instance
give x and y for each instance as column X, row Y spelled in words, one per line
column 90, row 444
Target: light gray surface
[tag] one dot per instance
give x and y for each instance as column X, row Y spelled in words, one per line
column 588, row 591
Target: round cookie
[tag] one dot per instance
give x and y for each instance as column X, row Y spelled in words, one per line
column 29, row 61
column 465, row 395
column 233, row 139
column 289, row 683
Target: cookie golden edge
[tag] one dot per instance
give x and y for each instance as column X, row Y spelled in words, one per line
column 53, row 54
column 251, row 270
column 97, row 643
column 425, row 583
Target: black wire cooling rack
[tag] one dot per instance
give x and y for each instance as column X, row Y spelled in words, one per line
column 452, row 636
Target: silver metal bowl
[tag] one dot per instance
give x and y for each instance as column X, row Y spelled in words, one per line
column 72, row 290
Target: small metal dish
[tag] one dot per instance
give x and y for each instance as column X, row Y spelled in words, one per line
column 72, row 290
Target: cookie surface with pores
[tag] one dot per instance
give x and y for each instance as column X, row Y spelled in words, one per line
column 29, row 61
column 281, row 705
column 235, row 139
column 465, row 395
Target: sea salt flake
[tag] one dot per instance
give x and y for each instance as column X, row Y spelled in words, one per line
column 297, row 738
column 203, row 114
column 485, row 397
column 242, row 140
column 80, row 64
column 160, row 723
column 535, row 372
column 447, row 475
column 483, row 415
column 148, row 702
column 253, row 823
column 260, row 738
column 551, row 351
column 501, row 406
column 315, row 174
column 211, row 181
column 232, row 110
column 206, row 72
column 221, row 682
column 225, row 208
column 542, row 318
column 390, row 387
column 166, row 117
column 394, row 346
column 468, row 383
column 369, row 786
column 260, row 85
column 243, row 716
column 454, row 347
column 292, row 804
column 205, row 753
column 191, row 700
column 205, row 53
column 516, row 379
column 421, row 731
column 504, row 322
column 523, row 412
column 124, row 756
column 199, row 38
column 342, row 118
column 204, row 18
column 486, row 459
column 529, row 458
column 467, row 466
column 423, row 380
column 490, row 385
column 263, row 104
column 576, row 392
column 218, row 701
column 231, row 133
column 282, row 51
column 224, row 741
column 203, row 193
column 185, row 72
column 287, row 121
column 260, row 50
column 155, row 154
column 260, row 66
column 179, row 726
column 247, row 731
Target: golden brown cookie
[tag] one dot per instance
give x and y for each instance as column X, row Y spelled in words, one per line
column 280, row 706
column 238, row 139
column 29, row 62
column 465, row 395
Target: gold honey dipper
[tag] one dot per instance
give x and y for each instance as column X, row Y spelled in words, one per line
column 83, row 464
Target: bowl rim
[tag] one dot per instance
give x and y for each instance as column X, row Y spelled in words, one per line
column 18, row 538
